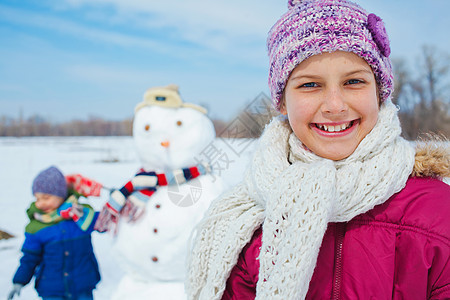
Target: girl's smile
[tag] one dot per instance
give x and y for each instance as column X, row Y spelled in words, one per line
column 335, row 128
column 331, row 102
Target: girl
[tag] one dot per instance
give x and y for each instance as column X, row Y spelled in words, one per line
column 334, row 204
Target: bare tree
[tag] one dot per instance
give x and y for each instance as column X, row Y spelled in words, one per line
column 250, row 122
column 424, row 99
column 402, row 80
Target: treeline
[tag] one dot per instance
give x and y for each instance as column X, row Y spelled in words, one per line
column 36, row 126
column 422, row 92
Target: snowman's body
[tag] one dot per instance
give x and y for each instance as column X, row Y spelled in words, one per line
column 153, row 250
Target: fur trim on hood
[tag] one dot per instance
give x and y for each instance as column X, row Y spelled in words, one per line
column 432, row 159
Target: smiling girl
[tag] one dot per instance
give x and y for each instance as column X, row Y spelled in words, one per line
column 334, row 203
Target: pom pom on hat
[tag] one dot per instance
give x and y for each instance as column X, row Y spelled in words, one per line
column 50, row 181
column 312, row 27
column 376, row 27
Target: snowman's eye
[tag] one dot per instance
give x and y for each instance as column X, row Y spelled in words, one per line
column 179, row 123
column 147, row 127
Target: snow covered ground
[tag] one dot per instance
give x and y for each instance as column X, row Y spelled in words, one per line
column 109, row 160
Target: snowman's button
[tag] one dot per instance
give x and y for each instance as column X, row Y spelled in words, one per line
column 158, row 206
column 155, row 230
column 154, row 259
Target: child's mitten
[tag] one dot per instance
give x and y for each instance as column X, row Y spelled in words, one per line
column 15, row 290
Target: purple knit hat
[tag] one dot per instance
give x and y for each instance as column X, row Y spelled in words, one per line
column 50, row 181
column 312, row 27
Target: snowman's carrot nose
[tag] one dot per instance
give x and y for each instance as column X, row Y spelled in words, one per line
column 165, row 144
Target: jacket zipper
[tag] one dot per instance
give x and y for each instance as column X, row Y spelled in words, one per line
column 338, row 248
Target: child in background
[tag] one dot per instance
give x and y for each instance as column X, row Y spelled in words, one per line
column 334, row 204
column 57, row 249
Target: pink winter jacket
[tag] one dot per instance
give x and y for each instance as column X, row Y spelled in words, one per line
column 398, row 250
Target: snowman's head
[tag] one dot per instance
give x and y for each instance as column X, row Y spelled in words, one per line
column 170, row 136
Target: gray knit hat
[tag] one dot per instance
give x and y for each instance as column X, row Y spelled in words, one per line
column 50, row 181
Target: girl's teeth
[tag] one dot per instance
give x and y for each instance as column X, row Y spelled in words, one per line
column 336, row 128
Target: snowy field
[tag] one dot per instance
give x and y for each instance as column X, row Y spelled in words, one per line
column 109, row 160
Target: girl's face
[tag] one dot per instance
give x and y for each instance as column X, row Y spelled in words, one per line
column 331, row 102
column 47, row 203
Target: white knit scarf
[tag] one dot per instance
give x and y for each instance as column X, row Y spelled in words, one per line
column 295, row 194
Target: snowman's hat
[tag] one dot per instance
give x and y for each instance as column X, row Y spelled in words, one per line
column 167, row 96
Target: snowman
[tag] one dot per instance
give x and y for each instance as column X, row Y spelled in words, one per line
column 169, row 136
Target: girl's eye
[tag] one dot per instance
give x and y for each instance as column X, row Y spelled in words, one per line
column 179, row 123
column 309, row 85
column 354, row 81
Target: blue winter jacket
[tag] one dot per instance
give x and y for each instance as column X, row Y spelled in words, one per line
column 61, row 258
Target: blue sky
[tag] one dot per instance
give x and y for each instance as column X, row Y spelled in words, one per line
column 73, row 59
